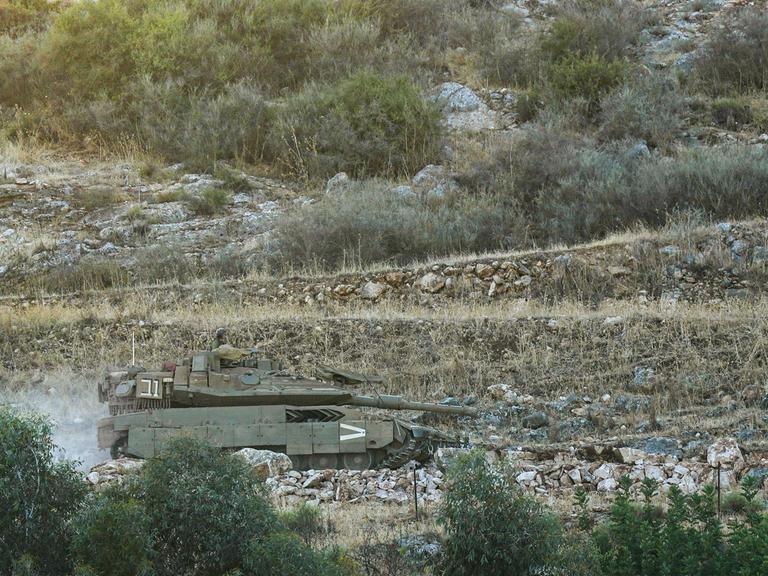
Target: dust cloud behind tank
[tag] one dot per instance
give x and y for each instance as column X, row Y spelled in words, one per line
column 234, row 398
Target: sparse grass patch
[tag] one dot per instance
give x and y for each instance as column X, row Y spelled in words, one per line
column 209, row 202
column 95, row 197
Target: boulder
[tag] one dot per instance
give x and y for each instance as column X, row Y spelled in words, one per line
column 431, row 282
column 628, row 455
column 435, row 181
column 265, row 463
column 463, row 109
column 372, row 290
column 337, row 183
column 725, row 452
column 607, row 485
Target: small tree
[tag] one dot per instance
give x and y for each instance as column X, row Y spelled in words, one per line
column 205, row 506
column 491, row 526
column 38, row 496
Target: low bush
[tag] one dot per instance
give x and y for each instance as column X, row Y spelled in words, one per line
column 95, row 197
column 18, row 71
column 88, row 52
column 200, row 127
column 731, row 113
column 369, row 223
column 586, row 77
column 283, row 553
column 491, row 526
column 20, row 16
column 365, row 125
column 607, row 28
column 648, row 107
column 735, row 58
column 204, row 506
column 723, row 182
column 568, row 189
column 303, row 520
column 113, row 535
column 209, row 201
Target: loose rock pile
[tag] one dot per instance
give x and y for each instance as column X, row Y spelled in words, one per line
column 385, row 485
column 554, row 475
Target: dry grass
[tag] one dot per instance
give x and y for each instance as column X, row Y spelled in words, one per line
column 700, row 353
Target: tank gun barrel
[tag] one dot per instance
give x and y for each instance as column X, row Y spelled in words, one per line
column 399, row 403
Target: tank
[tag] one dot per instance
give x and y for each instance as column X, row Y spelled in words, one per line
column 235, row 398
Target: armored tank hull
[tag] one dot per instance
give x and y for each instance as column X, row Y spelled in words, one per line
column 250, row 402
column 345, row 439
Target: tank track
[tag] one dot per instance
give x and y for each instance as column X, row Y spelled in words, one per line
column 419, row 449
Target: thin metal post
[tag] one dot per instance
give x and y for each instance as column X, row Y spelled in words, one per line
column 415, row 494
column 718, row 490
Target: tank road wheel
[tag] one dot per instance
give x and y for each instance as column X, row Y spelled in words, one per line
column 323, row 461
column 118, row 448
column 357, row 460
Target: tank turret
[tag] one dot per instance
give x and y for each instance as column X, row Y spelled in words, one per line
column 235, row 398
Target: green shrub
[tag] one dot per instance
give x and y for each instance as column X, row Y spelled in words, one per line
column 304, row 521
column 38, row 496
column 285, row 553
column 204, row 506
column 113, row 535
column 687, row 540
column 731, row 113
column 369, row 223
column 649, row 107
column 735, row 58
column 365, row 125
column 491, row 526
column 586, row 77
column 18, row 70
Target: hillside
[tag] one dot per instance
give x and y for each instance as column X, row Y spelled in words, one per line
column 551, row 210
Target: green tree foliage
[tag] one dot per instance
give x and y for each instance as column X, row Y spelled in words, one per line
column 20, row 16
column 285, row 553
column 113, row 535
column 38, row 496
column 491, row 526
column 204, row 507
